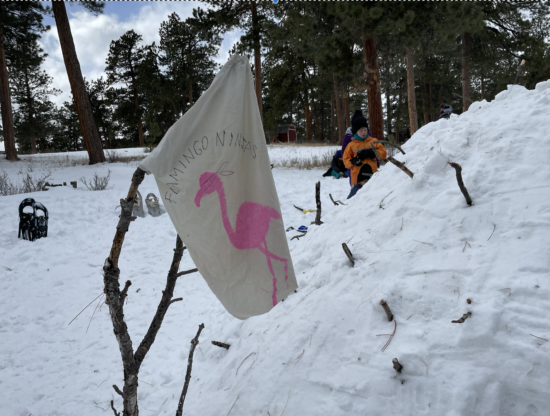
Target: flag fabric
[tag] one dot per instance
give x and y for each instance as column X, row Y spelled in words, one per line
column 214, row 176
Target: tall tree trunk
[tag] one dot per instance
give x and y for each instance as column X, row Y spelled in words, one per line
column 257, row 60
column 7, row 114
column 31, row 113
column 426, row 102
column 322, row 120
column 388, row 109
column 398, row 112
column 105, row 140
column 345, row 94
column 466, row 81
column 339, row 109
column 374, row 96
column 306, row 107
column 83, row 107
column 317, row 126
column 413, row 115
column 139, row 123
column 333, row 134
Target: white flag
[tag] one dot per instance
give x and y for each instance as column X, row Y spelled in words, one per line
column 213, row 172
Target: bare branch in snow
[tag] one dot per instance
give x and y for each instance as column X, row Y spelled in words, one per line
column 348, row 253
column 464, row 317
column 458, row 170
column 194, row 343
column 221, row 344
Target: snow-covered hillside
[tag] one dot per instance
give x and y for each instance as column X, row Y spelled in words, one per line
column 416, row 243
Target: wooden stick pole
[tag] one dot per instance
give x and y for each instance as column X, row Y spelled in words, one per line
column 318, row 201
column 194, row 343
column 387, row 310
column 458, row 170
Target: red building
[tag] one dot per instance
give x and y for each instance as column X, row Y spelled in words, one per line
column 285, row 133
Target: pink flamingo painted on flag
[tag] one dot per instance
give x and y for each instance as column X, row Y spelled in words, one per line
column 252, row 222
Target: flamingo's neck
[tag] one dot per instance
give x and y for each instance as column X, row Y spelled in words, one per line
column 225, row 218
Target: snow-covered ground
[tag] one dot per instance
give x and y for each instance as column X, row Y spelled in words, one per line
column 416, row 243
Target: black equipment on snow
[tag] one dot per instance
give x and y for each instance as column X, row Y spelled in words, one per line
column 31, row 225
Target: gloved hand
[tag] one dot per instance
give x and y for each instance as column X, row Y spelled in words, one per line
column 356, row 161
column 366, row 154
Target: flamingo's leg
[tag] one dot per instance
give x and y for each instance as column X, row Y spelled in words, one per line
column 268, row 257
column 285, row 261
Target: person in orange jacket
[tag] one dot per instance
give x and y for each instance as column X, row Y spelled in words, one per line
column 359, row 156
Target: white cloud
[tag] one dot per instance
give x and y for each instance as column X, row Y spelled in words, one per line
column 92, row 36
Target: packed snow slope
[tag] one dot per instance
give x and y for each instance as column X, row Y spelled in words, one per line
column 416, row 243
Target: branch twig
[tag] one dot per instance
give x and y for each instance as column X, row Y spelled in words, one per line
column 221, row 344
column 175, row 300
column 464, row 317
column 187, row 272
column 124, row 292
column 117, row 390
column 463, row 189
column 333, row 201
column 494, row 228
column 194, row 343
column 391, row 337
column 114, row 410
column 85, row 308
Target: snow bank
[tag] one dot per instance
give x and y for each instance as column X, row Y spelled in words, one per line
column 416, row 243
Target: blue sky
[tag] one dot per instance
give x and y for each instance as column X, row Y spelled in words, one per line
column 93, row 34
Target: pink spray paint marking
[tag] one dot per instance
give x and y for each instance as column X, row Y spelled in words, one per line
column 251, row 227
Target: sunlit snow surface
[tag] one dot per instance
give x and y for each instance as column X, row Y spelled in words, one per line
column 416, row 243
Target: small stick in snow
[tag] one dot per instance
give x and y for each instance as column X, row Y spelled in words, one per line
column 288, row 397
column 249, row 355
column 387, row 310
column 333, row 201
column 400, row 165
column 194, row 343
column 425, row 365
column 187, row 272
column 544, row 339
column 298, row 236
column 469, row 301
column 458, row 170
column 114, row 410
column 464, row 248
column 348, row 253
column 221, row 344
column 300, row 357
column 233, row 405
column 494, row 228
column 464, row 317
column 89, row 323
column 318, row 201
column 396, row 365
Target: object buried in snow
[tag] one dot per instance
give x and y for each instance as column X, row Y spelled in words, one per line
column 348, row 253
column 463, row 189
column 31, row 225
column 464, row 317
column 387, row 310
column 397, row 365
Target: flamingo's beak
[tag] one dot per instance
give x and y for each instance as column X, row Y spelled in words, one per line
column 198, row 198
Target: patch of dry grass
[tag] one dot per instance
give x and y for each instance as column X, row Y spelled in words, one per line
column 310, row 162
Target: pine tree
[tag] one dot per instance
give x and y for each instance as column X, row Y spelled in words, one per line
column 18, row 20
column 123, row 62
column 90, row 132
column 31, row 89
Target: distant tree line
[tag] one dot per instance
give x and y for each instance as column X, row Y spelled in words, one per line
column 314, row 63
